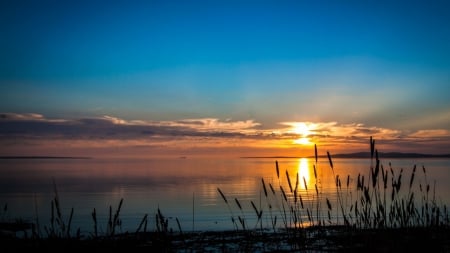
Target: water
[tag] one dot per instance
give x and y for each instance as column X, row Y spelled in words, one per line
column 183, row 188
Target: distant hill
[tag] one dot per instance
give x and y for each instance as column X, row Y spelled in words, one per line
column 364, row 155
column 389, row 155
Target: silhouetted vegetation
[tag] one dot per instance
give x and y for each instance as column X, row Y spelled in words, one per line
column 385, row 213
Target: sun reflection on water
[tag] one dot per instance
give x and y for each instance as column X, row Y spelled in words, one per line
column 303, row 172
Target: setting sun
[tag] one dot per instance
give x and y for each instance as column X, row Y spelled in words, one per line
column 303, row 130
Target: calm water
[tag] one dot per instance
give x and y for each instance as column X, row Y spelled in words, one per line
column 183, row 188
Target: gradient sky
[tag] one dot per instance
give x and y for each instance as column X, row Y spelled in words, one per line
column 188, row 77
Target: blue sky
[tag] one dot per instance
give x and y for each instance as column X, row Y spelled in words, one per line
column 380, row 64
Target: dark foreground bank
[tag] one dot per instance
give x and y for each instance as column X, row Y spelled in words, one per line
column 323, row 239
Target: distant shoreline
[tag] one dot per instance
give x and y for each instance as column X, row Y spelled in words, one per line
column 43, row 157
column 358, row 155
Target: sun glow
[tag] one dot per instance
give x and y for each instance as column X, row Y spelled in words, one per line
column 303, row 140
column 303, row 130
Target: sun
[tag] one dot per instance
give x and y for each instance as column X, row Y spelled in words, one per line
column 303, row 130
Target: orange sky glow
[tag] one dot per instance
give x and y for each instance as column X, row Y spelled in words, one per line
column 35, row 134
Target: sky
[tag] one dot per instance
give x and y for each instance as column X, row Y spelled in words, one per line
column 238, row 78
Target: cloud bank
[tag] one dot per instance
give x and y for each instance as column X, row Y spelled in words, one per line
column 27, row 131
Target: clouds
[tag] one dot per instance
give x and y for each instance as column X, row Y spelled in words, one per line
column 14, row 125
column 25, row 117
column 201, row 135
column 336, row 130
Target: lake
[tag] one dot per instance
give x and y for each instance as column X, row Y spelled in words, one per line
column 186, row 188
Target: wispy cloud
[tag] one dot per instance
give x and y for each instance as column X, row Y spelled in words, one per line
column 434, row 133
column 201, row 124
column 27, row 117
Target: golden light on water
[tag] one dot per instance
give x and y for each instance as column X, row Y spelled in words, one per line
column 303, row 172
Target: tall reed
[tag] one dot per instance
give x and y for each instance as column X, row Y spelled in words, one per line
column 229, row 208
column 368, row 206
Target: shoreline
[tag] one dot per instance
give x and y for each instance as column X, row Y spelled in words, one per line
column 318, row 239
column 44, row 157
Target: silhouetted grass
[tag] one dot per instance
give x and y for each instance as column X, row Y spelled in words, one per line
column 376, row 211
column 368, row 208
